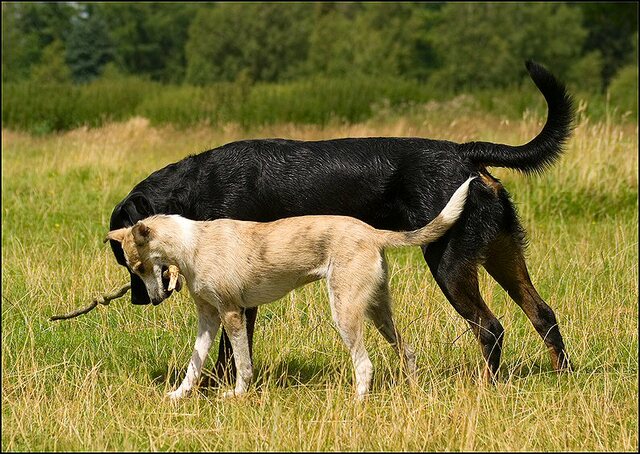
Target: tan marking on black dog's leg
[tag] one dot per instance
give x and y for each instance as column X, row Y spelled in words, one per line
column 459, row 283
column 465, row 297
column 490, row 181
column 208, row 324
column 505, row 263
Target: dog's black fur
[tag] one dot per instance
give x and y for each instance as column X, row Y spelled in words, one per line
column 389, row 183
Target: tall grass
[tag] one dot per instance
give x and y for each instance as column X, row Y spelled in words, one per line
column 45, row 108
column 56, row 107
column 98, row 382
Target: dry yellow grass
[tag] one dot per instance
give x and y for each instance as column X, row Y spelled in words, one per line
column 98, row 382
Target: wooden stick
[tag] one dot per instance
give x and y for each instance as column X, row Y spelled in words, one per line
column 104, row 299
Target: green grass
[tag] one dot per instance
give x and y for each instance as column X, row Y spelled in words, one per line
column 41, row 108
column 44, row 108
column 98, row 382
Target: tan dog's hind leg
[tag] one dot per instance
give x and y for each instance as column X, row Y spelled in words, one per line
column 350, row 294
column 380, row 314
column 234, row 324
column 208, row 324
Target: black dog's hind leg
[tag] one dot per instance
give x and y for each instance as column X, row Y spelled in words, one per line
column 225, row 367
column 458, row 280
column 505, row 263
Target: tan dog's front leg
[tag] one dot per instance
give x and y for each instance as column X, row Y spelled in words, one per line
column 234, row 324
column 208, row 324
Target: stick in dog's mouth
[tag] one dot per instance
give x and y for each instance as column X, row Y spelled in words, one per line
column 173, row 274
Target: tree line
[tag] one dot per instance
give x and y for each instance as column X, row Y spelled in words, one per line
column 454, row 47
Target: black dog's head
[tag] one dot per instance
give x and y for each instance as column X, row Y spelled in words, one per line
column 135, row 207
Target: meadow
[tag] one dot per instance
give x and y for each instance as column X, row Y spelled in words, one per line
column 97, row 382
column 46, row 107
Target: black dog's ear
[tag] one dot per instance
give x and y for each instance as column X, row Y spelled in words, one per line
column 141, row 233
column 136, row 207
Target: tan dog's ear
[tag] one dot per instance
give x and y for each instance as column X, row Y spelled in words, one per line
column 116, row 235
column 141, row 233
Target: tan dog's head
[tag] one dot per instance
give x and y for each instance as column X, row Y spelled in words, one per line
column 150, row 265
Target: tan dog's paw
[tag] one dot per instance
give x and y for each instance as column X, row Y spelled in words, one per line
column 233, row 393
column 229, row 394
column 176, row 395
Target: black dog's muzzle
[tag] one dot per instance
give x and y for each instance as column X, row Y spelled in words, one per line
column 139, row 293
column 165, row 286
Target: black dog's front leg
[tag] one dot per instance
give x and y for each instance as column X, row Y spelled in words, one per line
column 225, row 367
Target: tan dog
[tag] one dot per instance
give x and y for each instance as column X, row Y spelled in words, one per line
column 230, row 265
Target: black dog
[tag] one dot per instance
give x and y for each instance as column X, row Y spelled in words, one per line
column 389, row 183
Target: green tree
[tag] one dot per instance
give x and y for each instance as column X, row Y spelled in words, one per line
column 266, row 40
column 27, row 29
column 610, row 27
column 331, row 50
column 371, row 39
column 89, row 47
column 389, row 39
column 149, row 38
column 483, row 45
column 19, row 51
column 623, row 90
column 586, row 73
column 52, row 67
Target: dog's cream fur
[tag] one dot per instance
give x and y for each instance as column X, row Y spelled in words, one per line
column 230, row 265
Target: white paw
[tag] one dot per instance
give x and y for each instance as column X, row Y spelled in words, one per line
column 228, row 394
column 176, row 395
column 232, row 393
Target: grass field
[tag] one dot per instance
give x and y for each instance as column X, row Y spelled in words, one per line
column 98, row 382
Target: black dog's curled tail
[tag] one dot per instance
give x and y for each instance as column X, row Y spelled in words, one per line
column 546, row 147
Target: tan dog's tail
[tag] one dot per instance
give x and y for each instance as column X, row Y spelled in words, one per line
column 436, row 228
